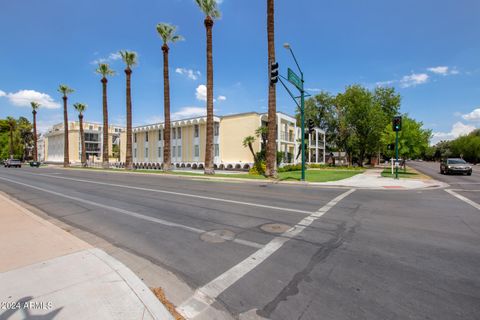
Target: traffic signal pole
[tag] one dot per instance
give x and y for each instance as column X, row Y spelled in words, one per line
column 396, row 154
column 302, row 112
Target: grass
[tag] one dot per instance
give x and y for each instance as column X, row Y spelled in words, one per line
column 409, row 174
column 311, row 175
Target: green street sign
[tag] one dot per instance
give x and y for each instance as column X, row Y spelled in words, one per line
column 294, row 79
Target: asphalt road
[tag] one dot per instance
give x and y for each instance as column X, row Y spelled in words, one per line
column 353, row 254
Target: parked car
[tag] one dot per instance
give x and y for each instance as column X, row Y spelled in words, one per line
column 455, row 165
column 13, row 163
column 35, row 164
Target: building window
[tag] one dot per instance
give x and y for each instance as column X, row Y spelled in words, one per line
column 174, row 150
column 159, row 152
column 135, row 138
column 90, row 127
column 146, row 136
column 197, row 151
column 217, row 150
column 159, row 135
column 196, row 131
column 135, row 152
column 179, row 149
column 174, row 135
column 179, row 133
column 216, row 129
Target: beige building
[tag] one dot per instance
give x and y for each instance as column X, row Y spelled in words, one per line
column 188, row 141
column 53, row 142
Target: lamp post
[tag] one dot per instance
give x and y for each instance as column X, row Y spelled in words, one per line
column 302, row 108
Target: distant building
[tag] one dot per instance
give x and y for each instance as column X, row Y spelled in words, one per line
column 53, row 142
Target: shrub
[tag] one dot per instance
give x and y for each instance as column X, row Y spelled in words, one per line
column 290, row 167
column 258, row 168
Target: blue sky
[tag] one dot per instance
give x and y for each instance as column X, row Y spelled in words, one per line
column 429, row 50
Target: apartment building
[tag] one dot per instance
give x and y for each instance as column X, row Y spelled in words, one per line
column 188, row 141
column 53, row 142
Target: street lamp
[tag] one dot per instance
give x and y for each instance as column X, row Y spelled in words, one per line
column 302, row 107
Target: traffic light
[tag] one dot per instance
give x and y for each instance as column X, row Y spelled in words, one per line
column 273, row 72
column 311, row 126
column 397, row 123
column 391, row 146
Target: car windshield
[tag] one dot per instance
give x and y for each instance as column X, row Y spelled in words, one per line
column 456, row 161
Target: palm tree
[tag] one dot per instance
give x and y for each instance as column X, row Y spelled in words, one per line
column 12, row 126
column 65, row 90
column 104, row 70
column 80, row 107
column 209, row 8
column 35, row 106
column 130, row 59
column 167, row 33
column 271, row 152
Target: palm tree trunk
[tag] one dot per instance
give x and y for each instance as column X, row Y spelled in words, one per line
column 66, row 156
column 271, row 152
column 105, row 160
column 128, row 156
column 35, row 149
column 209, row 143
column 167, row 162
column 82, row 141
column 11, row 143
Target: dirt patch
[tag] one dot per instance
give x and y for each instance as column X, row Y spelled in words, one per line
column 163, row 299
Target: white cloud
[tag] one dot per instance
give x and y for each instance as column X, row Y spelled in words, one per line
column 201, row 92
column 472, row 116
column 191, row 74
column 414, row 79
column 458, row 129
column 23, row 98
column 222, row 98
column 189, row 112
column 111, row 57
column 314, row 89
column 443, row 70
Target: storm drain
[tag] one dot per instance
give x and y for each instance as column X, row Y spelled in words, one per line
column 276, row 228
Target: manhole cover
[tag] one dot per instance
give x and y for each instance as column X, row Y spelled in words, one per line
column 275, row 227
column 217, row 236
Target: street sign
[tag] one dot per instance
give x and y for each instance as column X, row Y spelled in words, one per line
column 294, row 79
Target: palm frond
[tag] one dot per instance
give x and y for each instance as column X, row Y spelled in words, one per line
column 80, row 107
column 65, row 90
column 167, row 32
column 104, row 70
column 35, row 105
column 209, row 8
column 129, row 57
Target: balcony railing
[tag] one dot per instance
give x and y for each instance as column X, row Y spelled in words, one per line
column 286, row 136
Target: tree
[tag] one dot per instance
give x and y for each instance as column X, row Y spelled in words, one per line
column 12, row 126
column 105, row 71
column 80, row 107
column 65, row 91
column 35, row 106
column 168, row 34
column 16, row 138
column 271, row 149
column 130, row 60
column 210, row 9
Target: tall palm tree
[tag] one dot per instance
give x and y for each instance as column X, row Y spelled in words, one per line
column 210, row 9
column 35, row 106
column 80, row 107
column 65, row 91
column 104, row 70
column 130, row 59
column 168, row 34
column 271, row 152
column 12, row 126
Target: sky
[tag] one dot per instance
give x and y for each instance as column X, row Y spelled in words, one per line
column 428, row 50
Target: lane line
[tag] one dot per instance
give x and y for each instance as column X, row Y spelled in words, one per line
column 136, row 215
column 464, row 199
column 251, row 204
column 206, row 295
column 464, row 190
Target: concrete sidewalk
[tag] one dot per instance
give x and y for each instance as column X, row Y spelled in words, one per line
column 47, row 273
column 372, row 179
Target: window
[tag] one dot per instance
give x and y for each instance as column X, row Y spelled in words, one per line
column 159, row 152
column 174, row 136
column 197, row 151
column 179, row 133
column 216, row 129
column 90, row 127
column 135, row 152
column 174, row 150
column 217, row 150
column 196, row 131
column 146, row 152
column 159, row 135
column 146, row 136
column 179, row 149
column 135, row 138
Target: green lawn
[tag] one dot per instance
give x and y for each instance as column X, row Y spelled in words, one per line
column 387, row 173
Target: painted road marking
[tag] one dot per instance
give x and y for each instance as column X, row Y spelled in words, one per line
column 207, row 294
column 182, row 194
column 464, row 199
column 464, row 190
column 134, row 214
